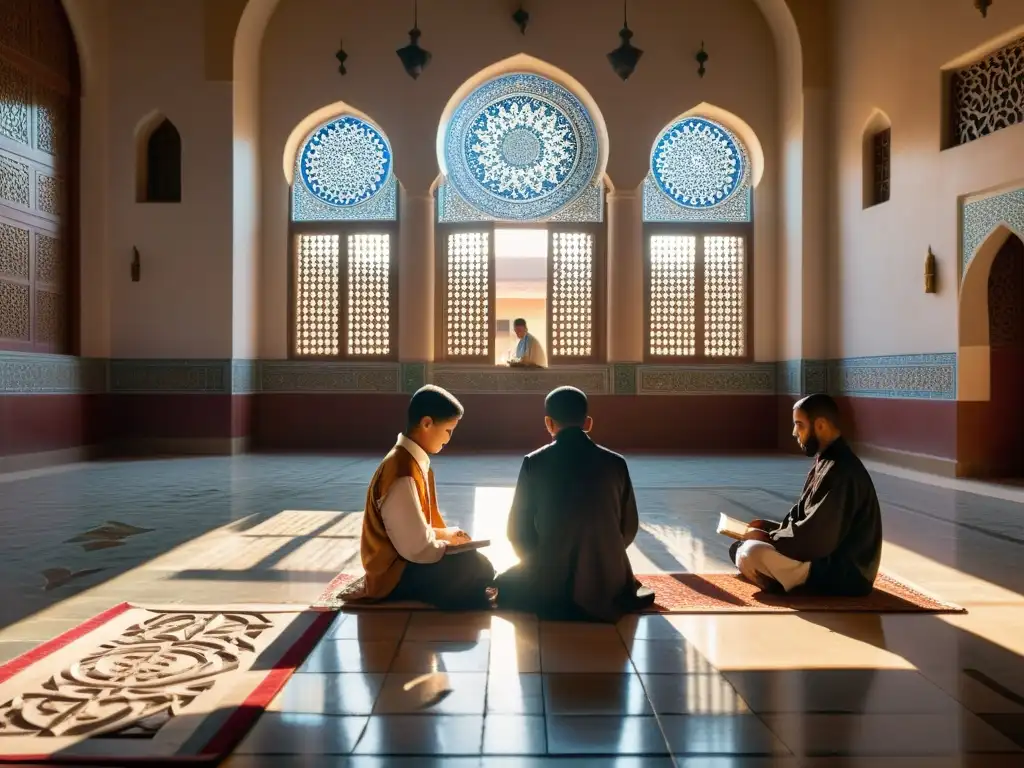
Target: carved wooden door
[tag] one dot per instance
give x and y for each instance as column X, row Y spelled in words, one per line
column 38, row 108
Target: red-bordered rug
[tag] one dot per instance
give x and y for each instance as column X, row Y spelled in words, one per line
column 152, row 684
column 703, row 593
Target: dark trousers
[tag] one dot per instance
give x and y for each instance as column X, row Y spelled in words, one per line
column 453, row 583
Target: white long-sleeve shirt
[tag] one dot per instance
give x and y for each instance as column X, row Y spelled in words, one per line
column 411, row 534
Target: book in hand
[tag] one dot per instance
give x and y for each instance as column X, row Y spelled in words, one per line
column 731, row 527
column 467, row 546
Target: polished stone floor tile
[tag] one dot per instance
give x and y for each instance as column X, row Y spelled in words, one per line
column 338, row 694
column 704, row 694
column 441, row 693
column 445, row 656
column 719, row 734
column 515, row 694
column 851, row 691
column 561, row 653
column 887, row 735
column 380, row 625
column 668, row 657
column 286, row 733
column 351, row 656
column 515, row 735
column 595, row 694
column 422, row 735
column 605, row 735
column 428, row 626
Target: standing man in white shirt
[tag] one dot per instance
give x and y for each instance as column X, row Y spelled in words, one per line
column 529, row 352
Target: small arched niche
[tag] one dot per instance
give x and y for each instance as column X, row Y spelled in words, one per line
column 157, row 161
column 876, row 157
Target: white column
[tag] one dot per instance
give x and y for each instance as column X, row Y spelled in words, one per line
column 416, row 278
column 625, row 277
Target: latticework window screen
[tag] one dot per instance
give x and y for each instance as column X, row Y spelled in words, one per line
column 344, row 300
column 317, row 273
column 468, row 305
column 571, row 296
column 697, row 296
column 725, row 291
column 369, row 295
column 673, row 298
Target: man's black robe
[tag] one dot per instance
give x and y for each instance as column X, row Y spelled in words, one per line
column 573, row 515
column 836, row 525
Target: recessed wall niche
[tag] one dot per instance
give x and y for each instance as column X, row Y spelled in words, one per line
column 158, row 161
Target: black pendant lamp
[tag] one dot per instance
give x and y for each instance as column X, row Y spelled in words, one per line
column 521, row 17
column 702, row 58
column 982, row 6
column 341, row 56
column 414, row 58
column 625, row 58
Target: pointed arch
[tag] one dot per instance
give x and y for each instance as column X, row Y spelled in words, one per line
column 157, row 160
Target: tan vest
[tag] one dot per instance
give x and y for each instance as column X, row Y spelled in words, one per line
column 383, row 565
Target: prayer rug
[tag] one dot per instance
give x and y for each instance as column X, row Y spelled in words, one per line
column 166, row 685
column 703, row 593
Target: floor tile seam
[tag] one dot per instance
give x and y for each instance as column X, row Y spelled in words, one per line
column 956, row 523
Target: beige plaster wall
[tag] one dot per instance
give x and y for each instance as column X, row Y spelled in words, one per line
column 889, row 56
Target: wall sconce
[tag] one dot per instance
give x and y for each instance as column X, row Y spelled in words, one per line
column 929, row 272
column 136, row 265
column 982, row 6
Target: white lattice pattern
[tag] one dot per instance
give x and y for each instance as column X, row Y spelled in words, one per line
column 724, row 296
column 316, row 296
column 369, row 295
column 467, row 315
column 572, row 294
column 673, row 295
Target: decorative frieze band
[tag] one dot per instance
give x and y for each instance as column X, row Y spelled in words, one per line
column 931, row 377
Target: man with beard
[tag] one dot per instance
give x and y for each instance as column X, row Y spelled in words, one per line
column 831, row 540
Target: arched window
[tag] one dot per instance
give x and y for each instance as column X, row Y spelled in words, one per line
column 162, row 169
column 877, row 157
column 520, row 214
column 697, row 203
column 344, row 211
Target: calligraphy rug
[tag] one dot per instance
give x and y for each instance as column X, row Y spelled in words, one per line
column 702, row 593
column 158, row 684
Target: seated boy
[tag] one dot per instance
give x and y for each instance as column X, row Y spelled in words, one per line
column 831, row 540
column 404, row 538
column 573, row 516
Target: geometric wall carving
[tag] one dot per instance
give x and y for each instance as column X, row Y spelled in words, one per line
column 988, row 96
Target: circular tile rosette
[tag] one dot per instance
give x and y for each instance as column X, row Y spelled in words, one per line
column 698, row 163
column 520, row 147
column 345, row 162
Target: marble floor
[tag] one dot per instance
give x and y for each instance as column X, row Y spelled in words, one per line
column 506, row 690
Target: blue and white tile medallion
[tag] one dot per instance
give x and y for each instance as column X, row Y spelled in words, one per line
column 699, row 170
column 521, row 147
column 344, row 171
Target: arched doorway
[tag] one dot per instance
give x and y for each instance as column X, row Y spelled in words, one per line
column 1006, row 359
column 38, row 177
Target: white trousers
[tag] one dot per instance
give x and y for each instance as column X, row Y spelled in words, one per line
column 759, row 559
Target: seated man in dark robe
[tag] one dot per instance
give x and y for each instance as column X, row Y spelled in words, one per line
column 572, row 518
column 831, row 540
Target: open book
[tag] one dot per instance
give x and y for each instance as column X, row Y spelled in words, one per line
column 468, row 546
column 731, row 527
